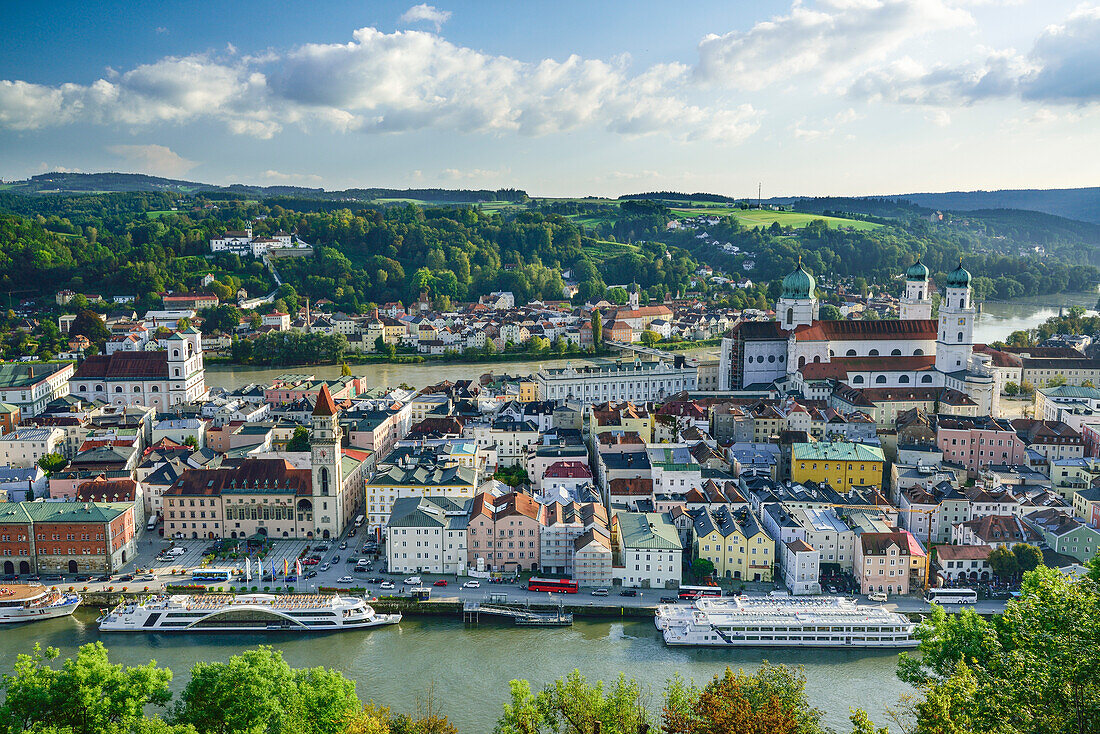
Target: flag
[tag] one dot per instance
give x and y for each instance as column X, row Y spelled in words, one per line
column 247, row 569
column 298, row 568
column 286, row 568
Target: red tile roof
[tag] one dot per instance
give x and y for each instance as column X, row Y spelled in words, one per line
column 325, row 405
column 923, row 329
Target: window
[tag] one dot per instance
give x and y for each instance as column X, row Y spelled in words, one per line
column 895, row 353
column 880, row 380
column 857, row 380
column 903, row 380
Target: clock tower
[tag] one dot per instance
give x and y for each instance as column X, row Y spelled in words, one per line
column 328, row 483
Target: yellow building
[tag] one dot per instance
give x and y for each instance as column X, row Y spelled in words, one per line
column 528, row 391
column 841, row 465
column 735, row 543
column 620, row 418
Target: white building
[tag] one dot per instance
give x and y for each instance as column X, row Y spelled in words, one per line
column 650, row 550
column 802, row 568
column 30, row 386
column 23, row 447
column 616, row 381
column 171, row 375
column 427, row 535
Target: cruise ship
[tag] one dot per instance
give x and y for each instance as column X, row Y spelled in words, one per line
column 244, row 613
column 783, row 622
column 32, row 602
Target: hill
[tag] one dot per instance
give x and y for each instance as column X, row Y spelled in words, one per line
column 1082, row 204
column 55, row 183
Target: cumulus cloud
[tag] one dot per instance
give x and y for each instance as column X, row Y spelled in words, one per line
column 1063, row 66
column 424, row 13
column 833, row 40
column 273, row 176
column 158, row 160
column 386, row 83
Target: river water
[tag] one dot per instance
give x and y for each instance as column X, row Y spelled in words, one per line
column 469, row 668
column 996, row 321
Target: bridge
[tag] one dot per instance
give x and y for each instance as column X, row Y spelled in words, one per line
column 472, row 611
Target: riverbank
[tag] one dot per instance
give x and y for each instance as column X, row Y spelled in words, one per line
column 463, row 359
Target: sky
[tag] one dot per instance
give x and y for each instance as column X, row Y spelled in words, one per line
column 811, row 97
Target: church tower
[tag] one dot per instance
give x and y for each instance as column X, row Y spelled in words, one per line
column 633, row 296
column 917, row 301
column 328, row 510
column 955, row 343
column 798, row 303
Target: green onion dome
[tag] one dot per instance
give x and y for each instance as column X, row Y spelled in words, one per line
column 917, row 271
column 799, row 284
column 959, row 277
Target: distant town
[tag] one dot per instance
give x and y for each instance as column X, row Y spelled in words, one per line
column 893, row 458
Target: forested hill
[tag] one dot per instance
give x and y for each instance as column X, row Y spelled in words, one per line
column 1082, row 204
column 53, row 183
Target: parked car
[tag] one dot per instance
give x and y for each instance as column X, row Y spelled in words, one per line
column 387, row 585
column 290, row 578
column 324, row 567
column 121, row 579
column 668, row 600
column 344, row 545
column 82, row 579
column 12, row 577
column 310, row 574
column 599, row 592
column 441, row 582
column 472, row 584
column 104, row 578
column 628, row 592
column 144, row 577
column 57, row 577
column 344, row 580
column 413, row 581
column 375, row 580
column 336, row 558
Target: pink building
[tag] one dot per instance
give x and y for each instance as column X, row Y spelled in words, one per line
column 976, row 442
column 503, row 533
column 892, row 562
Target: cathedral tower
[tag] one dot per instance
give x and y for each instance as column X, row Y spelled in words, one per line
column 798, row 303
column 916, row 303
column 955, row 343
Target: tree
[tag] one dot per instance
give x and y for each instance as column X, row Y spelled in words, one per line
column 86, row 695
column 1012, row 389
column 771, row 701
column 617, row 295
column 90, row 325
column 52, row 462
column 702, row 567
column 379, row 344
column 345, row 371
column 191, row 441
column 1028, row 557
column 829, row 312
column 300, row 440
column 649, row 337
column 597, row 330
column 572, row 705
column 1034, row 668
column 1003, row 562
column 257, row 692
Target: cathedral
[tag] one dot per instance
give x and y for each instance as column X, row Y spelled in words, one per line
column 798, row 352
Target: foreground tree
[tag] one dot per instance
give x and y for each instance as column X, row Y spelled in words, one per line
column 257, row 692
column 86, row 695
column 1034, row 669
column 572, row 705
column 299, row 441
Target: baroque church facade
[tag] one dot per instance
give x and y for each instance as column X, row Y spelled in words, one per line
column 799, row 352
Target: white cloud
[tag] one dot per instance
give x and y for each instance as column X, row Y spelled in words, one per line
column 831, row 41
column 424, row 13
column 157, row 160
column 278, row 177
column 389, row 83
column 456, row 174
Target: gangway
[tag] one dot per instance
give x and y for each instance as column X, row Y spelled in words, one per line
column 522, row 616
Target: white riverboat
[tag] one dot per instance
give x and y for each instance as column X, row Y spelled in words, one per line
column 244, row 613
column 783, row 622
column 32, row 602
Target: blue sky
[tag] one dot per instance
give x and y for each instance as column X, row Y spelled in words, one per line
column 562, row 98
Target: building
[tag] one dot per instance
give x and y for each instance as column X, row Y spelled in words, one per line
column 840, row 465
column 735, row 542
column 649, row 550
column 66, row 537
column 23, row 447
column 964, row 563
column 617, row 381
column 271, row 496
column 802, row 568
column 892, row 562
column 171, row 375
column 455, row 482
column 426, row 535
column 504, row 532
column 914, row 351
column 575, row 541
column 29, row 386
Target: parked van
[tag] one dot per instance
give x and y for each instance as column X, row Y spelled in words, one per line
column 878, row 596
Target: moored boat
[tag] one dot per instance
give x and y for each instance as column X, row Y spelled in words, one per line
column 244, row 613
column 33, row 602
column 783, row 622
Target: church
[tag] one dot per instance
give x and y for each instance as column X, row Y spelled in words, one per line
column 798, row 352
column 272, row 496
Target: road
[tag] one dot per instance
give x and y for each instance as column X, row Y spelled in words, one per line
column 176, row 571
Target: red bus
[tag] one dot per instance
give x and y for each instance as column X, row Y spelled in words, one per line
column 696, row 592
column 562, row 586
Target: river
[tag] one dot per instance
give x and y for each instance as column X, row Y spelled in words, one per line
column 469, row 668
column 996, row 322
